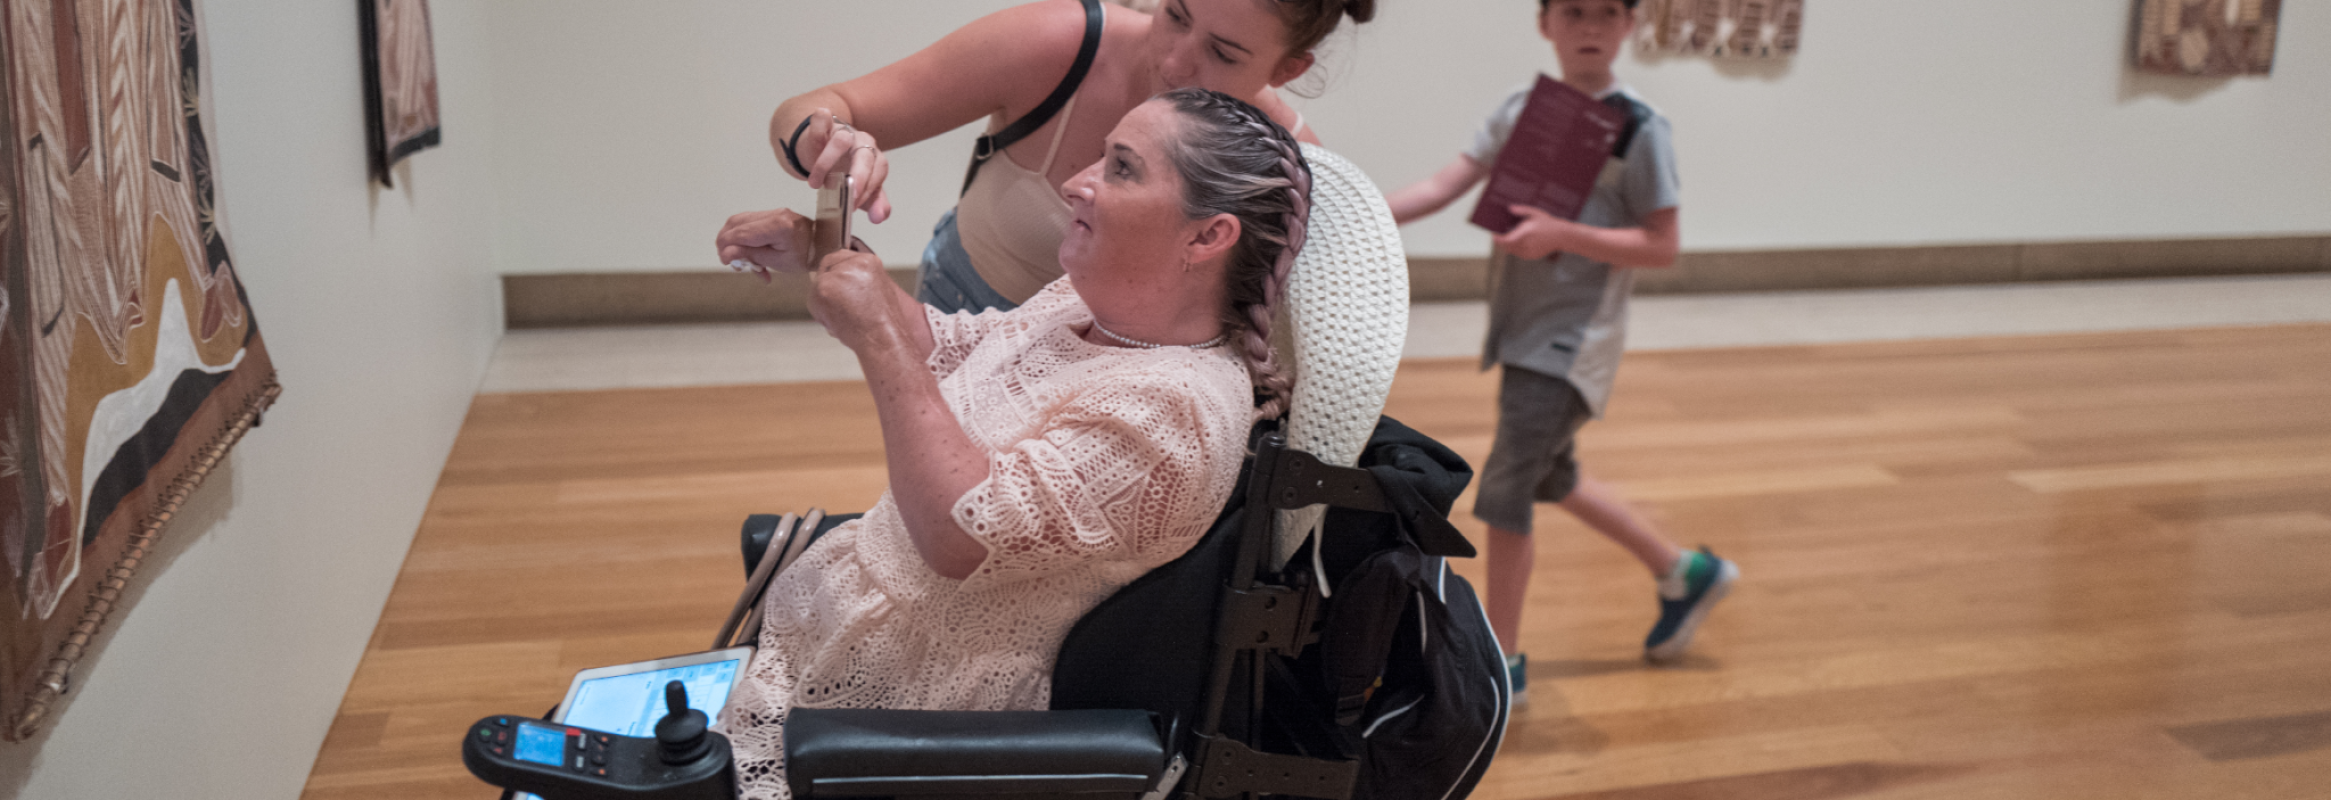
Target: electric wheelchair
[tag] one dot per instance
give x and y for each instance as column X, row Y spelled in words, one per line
column 1312, row 644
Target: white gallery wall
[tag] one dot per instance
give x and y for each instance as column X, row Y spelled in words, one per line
column 630, row 130
column 380, row 309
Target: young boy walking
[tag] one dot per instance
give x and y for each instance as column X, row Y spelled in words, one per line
column 1557, row 324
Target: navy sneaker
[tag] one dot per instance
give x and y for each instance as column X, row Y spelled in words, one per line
column 1706, row 580
column 1517, row 675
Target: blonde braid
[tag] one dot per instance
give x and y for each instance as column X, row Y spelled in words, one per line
column 1263, row 362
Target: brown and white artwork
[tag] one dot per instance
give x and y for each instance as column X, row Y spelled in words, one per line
column 400, row 81
column 2207, row 37
column 129, row 360
column 1720, row 28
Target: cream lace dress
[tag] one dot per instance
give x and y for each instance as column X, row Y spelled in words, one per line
column 1103, row 463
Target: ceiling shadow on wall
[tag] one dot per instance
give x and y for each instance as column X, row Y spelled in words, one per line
column 2137, row 84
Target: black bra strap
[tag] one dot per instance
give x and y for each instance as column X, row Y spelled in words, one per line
column 994, row 143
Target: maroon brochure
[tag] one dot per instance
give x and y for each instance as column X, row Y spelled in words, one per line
column 1552, row 159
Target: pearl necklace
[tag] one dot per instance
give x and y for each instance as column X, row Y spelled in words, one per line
column 1214, row 342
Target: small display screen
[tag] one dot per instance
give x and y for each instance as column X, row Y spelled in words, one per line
column 541, row 744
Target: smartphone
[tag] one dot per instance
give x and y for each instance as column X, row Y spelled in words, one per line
column 833, row 219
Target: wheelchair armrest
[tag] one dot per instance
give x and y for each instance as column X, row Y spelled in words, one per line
column 850, row 752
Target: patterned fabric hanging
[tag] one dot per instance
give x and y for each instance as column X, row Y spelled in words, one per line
column 129, row 360
column 1720, row 28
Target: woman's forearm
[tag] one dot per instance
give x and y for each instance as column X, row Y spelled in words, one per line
column 932, row 462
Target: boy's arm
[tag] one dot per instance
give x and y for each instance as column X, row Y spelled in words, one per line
column 1423, row 198
column 1540, row 235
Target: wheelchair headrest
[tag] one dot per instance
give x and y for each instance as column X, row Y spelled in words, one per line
column 1347, row 318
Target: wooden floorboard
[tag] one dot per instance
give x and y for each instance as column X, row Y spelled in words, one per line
column 2085, row 566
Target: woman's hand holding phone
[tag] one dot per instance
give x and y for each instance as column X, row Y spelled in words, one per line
column 828, row 144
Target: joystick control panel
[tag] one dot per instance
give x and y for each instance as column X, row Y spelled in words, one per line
column 684, row 761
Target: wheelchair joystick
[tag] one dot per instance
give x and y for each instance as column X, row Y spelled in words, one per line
column 680, row 735
column 564, row 762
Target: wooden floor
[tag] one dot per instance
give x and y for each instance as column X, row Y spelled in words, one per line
column 2092, row 566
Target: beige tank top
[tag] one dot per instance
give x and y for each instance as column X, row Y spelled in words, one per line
column 1012, row 220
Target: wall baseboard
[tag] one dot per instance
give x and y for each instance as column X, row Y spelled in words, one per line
column 646, row 298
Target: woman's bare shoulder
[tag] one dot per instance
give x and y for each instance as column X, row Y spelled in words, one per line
column 1006, row 61
column 1043, row 35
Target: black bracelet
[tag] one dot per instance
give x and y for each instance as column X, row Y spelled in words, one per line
column 789, row 143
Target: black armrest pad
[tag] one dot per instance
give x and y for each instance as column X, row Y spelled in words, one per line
column 843, row 752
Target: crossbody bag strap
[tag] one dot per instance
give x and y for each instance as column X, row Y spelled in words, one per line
column 991, row 144
column 1637, row 114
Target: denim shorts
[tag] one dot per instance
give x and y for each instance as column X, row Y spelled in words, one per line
column 948, row 281
column 1535, row 456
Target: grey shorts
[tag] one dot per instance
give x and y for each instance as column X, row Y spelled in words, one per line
column 1534, row 458
column 948, row 281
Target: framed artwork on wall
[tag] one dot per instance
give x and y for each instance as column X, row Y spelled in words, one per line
column 2207, row 37
column 128, row 354
column 400, row 81
column 1720, row 28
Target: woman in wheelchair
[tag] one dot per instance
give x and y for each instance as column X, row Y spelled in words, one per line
column 1039, row 458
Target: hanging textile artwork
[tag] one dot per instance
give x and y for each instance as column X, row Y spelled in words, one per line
column 129, row 361
column 1720, row 28
column 400, row 82
column 2207, row 37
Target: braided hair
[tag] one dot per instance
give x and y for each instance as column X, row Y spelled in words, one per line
column 1234, row 160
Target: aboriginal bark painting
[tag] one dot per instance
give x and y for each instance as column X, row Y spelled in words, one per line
column 2207, row 37
column 400, row 81
column 1720, row 28
column 129, row 361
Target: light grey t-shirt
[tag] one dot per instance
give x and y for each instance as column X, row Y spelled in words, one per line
column 1567, row 316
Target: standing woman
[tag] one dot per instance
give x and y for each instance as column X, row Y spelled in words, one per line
column 1052, row 78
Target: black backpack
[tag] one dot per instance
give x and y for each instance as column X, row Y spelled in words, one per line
column 1430, row 727
column 1422, row 703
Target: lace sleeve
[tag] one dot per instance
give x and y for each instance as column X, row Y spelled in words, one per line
column 956, row 335
column 1132, row 470
column 953, row 336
